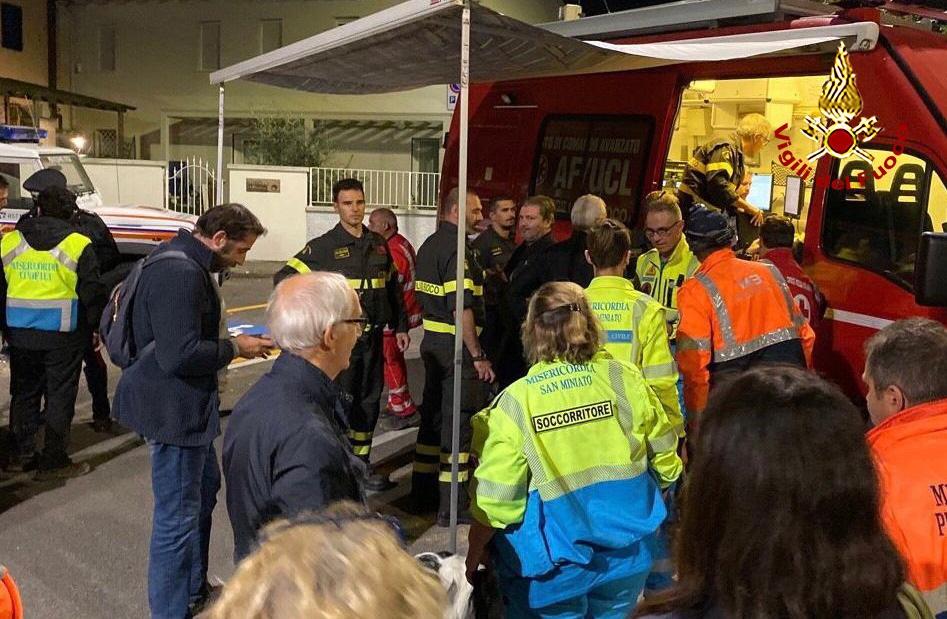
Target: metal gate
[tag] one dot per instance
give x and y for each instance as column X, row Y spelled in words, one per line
column 191, row 187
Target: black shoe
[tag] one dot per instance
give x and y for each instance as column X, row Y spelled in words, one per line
column 208, row 596
column 104, row 426
column 67, row 471
column 376, row 482
column 463, row 517
column 394, row 422
column 23, row 464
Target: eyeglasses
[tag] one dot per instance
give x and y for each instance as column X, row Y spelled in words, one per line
column 661, row 232
column 356, row 321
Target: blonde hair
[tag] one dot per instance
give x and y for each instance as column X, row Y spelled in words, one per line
column 754, row 125
column 560, row 325
column 547, row 208
column 347, row 566
column 662, row 201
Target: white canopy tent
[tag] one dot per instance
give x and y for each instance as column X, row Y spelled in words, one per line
column 426, row 42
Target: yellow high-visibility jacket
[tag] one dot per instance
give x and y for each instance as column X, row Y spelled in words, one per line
column 635, row 331
column 663, row 281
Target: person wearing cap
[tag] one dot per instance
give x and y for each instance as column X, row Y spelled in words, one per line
column 112, row 271
column 52, row 298
column 735, row 314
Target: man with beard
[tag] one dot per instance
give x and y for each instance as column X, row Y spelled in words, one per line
column 169, row 395
column 494, row 247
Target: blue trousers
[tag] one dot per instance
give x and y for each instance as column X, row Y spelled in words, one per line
column 612, row 600
column 185, row 481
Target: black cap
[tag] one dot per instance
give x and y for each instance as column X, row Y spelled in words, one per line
column 48, row 177
column 708, row 228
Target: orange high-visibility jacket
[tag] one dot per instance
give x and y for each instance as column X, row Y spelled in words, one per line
column 729, row 309
column 910, row 457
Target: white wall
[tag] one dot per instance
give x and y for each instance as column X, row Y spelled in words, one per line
column 128, row 181
column 283, row 213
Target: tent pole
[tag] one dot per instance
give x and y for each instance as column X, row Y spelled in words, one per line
column 219, row 197
column 461, row 261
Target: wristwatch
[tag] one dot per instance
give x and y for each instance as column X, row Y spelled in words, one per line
column 481, row 357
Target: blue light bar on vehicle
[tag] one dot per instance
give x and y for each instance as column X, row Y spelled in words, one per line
column 17, row 133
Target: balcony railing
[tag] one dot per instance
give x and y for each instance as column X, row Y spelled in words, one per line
column 390, row 188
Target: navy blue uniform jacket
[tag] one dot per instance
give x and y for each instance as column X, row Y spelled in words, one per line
column 285, row 450
column 169, row 395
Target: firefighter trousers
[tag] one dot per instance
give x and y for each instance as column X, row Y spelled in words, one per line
column 362, row 380
column 33, row 373
column 430, row 481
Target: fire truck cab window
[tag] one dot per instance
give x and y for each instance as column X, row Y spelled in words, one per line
column 875, row 212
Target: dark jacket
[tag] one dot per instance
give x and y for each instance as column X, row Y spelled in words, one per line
column 103, row 243
column 44, row 233
column 525, row 275
column 565, row 261
column 285, row 450
column 365, row 263
column 170, row 394
column 713, row 174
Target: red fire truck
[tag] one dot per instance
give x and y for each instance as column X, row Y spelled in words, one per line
column 874, row 230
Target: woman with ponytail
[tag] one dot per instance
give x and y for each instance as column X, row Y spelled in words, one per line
column 572, row 459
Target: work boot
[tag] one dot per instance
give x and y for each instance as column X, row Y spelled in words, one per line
column 104, row 426
column 393, row 423
column 376, row 482
column 23, row 463
column 463, row 517
column 66, row 471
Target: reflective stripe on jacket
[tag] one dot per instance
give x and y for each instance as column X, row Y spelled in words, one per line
column 909, row 454
column 569, row 457
column 663, row 280
column 41, row 285
column 729, row 309
column 635, row 330
column 713, row 173
column 405, row 261
column 436, row 284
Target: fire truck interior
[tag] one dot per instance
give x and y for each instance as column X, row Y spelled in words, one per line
column 874, row 214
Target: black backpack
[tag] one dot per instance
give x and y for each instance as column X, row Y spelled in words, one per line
column 115, row 327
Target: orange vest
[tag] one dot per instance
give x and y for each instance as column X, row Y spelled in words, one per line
column 910, row 450
column 731, row 308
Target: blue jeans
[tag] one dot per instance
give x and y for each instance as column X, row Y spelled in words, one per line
column 612, row 600
column 185, row 481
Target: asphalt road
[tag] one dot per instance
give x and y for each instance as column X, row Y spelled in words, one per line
column 80, row 548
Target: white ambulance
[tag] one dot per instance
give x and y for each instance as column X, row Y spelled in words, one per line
column 137, row 229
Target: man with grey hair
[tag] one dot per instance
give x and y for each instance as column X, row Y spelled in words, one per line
column 906, row 375
column 565, row 261
column 285, row 450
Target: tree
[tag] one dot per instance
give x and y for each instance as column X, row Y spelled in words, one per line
column 286, row 142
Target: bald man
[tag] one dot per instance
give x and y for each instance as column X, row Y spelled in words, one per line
column 401, row 407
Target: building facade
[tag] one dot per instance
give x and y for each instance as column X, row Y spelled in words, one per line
column 157, row 56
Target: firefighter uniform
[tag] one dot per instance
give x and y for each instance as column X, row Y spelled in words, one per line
column 635, row 331
column 735, row 314
column 571, row 459
column 712, row 176
column 663, row 279
column 436, row 287
column 367, row 265
column 53, row 297
column 493, row 252
column 908, row 449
